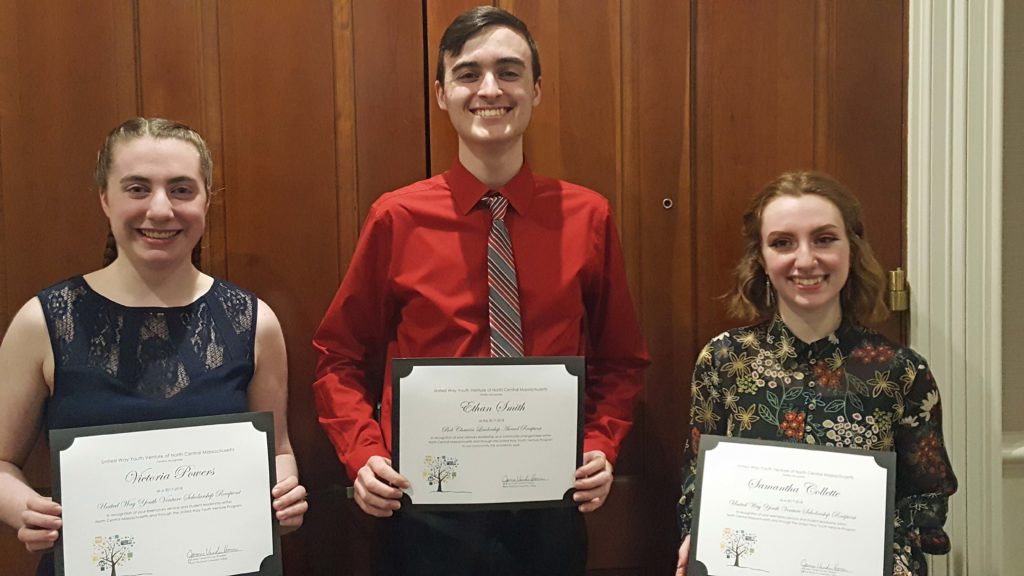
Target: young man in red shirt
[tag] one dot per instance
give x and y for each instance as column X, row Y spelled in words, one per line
column 418, row 287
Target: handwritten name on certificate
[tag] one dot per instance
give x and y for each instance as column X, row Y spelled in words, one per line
column 781, row 509
column 492, row 433
column 179, row 497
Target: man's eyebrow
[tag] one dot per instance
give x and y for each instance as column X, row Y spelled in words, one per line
column 474, row 65
column 179, row 179
column 512, row 60
column 468, row 64
column 134, row 178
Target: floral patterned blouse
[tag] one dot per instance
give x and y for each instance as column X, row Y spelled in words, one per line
column 853, row 389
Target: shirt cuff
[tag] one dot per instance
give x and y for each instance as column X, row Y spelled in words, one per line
column 357, row 458
column 611, row 452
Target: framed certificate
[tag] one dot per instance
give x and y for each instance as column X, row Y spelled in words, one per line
column 188, row 497
column 783, row 509
column 488, row 433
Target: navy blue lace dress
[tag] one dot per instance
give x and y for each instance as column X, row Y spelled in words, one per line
column 116, row 364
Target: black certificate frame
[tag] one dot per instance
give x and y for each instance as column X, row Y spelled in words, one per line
column 403, row 367
column 883, row 459
column 62, row 438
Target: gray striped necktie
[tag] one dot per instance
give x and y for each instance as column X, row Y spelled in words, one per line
column 503, row 290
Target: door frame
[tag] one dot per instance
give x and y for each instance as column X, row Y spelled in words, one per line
column 954, row 254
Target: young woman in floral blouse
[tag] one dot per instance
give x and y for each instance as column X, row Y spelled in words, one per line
column 810, row 372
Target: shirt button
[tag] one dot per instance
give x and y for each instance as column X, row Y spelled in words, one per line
column 798, row 375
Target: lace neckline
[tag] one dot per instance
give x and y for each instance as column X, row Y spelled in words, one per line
column 88, row 287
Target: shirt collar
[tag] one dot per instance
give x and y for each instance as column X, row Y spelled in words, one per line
column 467, row 190
column 844, row 334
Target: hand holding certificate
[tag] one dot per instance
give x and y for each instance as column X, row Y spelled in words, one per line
column 488, row 433
column 176, row 497
column 791, row 509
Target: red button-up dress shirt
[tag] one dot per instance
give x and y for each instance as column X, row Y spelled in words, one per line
column 417, row 287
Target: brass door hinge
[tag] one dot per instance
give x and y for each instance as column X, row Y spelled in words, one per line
column 899, row 298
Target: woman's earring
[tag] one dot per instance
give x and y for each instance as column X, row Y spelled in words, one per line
column 769, row 294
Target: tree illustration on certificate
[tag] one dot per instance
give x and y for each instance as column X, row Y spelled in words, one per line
column 737, row 544
column 439, row 469
column 113, row 551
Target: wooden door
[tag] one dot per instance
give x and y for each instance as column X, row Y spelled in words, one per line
column 676, row 111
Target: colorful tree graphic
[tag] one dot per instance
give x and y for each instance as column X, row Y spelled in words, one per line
column 439, row 469
column 737, row 543
column 112, row 551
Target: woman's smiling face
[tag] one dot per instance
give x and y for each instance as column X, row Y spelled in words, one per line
column 155, row 200
column 806, row 254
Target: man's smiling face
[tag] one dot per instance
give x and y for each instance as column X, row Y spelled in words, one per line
column 489, row 90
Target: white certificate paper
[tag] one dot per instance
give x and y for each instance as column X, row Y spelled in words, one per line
column 187, row 497
column 488, row 432
column 782, row 509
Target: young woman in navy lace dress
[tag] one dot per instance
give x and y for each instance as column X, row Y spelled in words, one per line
column 146, row 337
column 809, row 371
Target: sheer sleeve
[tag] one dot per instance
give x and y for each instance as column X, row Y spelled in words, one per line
column 707, row 416
column 924, row 477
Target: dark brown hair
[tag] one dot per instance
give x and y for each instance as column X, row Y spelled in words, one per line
column 156, row 128
column 470, row 23
column 862, row 298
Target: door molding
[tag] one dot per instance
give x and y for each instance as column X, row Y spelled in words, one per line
column 954, row 253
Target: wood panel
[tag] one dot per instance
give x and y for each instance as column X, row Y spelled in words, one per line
column 391, row 97
column 580, row 46
column 658, row 167
column 790, row 85
column 380, row 145
column 53, row 224
column 755, row 78
column 179, row 78
column 14, row 560
column 444, row 144
column 868, row 124
column 8, row 48
column 345, row 149
column 50, row 140
column 57, row 102
column 171, row 60
column 280, row 200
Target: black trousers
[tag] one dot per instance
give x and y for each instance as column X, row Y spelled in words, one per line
column 551, row 541
column 45, row 566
